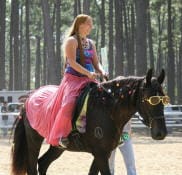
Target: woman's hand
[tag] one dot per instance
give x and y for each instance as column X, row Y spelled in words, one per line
column 92, row 75
column 105, row 76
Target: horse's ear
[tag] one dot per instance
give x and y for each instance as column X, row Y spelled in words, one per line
column 149, row 76
column 161, row 76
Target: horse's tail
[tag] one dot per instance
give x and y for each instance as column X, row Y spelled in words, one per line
column 19, row 149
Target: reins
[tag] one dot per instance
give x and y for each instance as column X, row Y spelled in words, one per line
column 138, row 88
column 150, row 119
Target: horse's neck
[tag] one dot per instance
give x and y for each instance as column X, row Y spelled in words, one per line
column 126, row 105
column 120, row 123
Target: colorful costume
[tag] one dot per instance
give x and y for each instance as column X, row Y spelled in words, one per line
column 50, row 108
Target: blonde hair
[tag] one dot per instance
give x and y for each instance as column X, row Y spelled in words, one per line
column 80, row 19
column 74, row 30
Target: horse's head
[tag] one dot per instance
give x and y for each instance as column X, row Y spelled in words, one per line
column 151, row 103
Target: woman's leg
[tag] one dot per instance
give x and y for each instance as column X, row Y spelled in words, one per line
column 62, row 124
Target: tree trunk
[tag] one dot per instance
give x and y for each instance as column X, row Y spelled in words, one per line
column 118, row 39
column 11, row 81
column 128, row 66
column 150, row 40
column 132, row 42
column 77, row 8
column 170, row 61
column 16, row 47
column 86, row 7
column 44, row 69
column 102, row 22
column 160, row 60
column 27, row 33
column 53, row 73
column 141, row 45
column 111, row 39
column 38, row 63
column 22, row 57
column 58, row 35
column 179, row 81
column 2, row 43
column 159, row 51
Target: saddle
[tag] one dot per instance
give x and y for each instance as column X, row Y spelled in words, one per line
column 79, row 120
column 80, row 109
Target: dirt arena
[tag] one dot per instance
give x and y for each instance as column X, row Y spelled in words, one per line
column 152, row 157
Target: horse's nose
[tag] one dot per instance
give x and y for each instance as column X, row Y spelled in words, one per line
column 160, row 135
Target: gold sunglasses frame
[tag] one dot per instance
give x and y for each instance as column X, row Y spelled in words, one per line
column 161, row 99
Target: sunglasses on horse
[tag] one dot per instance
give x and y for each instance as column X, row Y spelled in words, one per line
column 155, row 100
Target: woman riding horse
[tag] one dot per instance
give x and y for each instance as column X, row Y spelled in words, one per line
column 110, row 106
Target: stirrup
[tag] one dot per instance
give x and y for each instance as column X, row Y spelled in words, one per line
column 63, row 142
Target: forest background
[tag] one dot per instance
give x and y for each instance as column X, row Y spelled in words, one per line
column 137, row 34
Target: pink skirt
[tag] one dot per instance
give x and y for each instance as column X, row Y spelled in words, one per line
column 50, row 108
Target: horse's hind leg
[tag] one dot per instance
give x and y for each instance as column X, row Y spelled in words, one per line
column 52, row 154
column 34, row 142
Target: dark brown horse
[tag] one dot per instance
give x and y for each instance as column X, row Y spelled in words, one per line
column 110, row 106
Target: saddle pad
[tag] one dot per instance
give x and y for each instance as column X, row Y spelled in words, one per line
column 81, row 121
column 81, row 105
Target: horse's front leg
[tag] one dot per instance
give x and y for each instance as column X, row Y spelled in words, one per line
column 100, row 163
column 93, row 168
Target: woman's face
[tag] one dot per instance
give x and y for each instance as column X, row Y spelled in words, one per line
column 86, row 27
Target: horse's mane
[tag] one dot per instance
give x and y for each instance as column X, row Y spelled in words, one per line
column 121, row 81
column 109, row 92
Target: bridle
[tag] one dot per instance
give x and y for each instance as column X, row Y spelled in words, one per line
column 142, row 102
column 150, row 121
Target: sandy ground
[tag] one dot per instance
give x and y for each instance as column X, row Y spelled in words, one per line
column 152, row 157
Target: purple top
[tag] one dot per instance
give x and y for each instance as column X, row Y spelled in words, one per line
column 88, row 53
